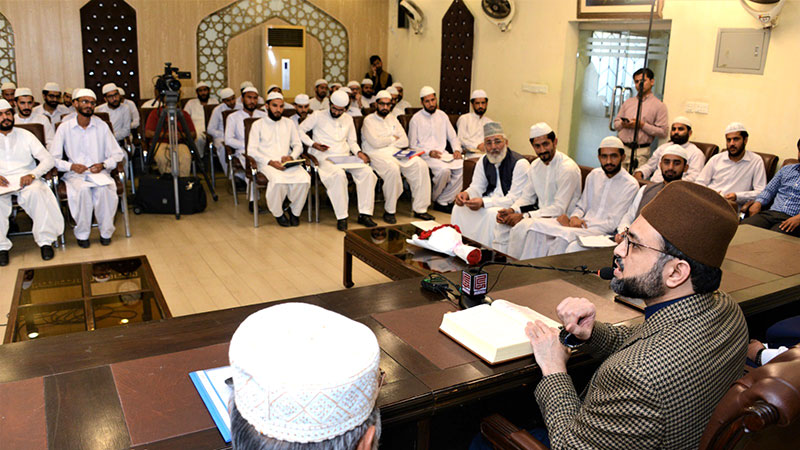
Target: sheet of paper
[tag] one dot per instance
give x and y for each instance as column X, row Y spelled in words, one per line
column 446, row 156
column 351, row 165
column 100, row 179
column 13, row 186
column 596, row 241
column 425, row 225
column 346, row 159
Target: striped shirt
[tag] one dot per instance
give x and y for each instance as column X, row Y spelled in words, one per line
column 783, row 191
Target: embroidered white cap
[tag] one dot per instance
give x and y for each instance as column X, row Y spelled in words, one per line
column 734, row 127
column 612, row 142
column 246, row 84
column 683, row 120
column 304, row 374
column 109, row 87
column 426, row 91
column 21, row 92
column 397, row 85
column 274, row 95
column 366, row 81
column 51, row 87
column 321, row 81
column 540, row 129
column 4, row 105
column 340, row 98
column 383, row 94
column 226, row 93
column 302, row 99
column 676, row 150
column 392, row 90
column 353, row 83
column 83, row 92
column 201, row 84
column 8, row 86
column 250, row 89
column 478, row 93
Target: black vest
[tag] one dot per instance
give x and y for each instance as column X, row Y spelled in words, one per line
column 506, row 170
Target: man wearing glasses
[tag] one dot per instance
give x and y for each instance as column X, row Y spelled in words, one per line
column 52, row 107
column 660, row 380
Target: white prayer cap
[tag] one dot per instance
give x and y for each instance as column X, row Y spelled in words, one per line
column 320, row 81
column 8, row 86
column 4, row 105
column 612, row 142
column 271, row 86
column 347, row 90
column 51, row 87
column 274, row 95
column 226, row 93
column 478, row 93
column 734, row 127
column 426, row 91
column 201, row 84
column 340, row 98
column 391, row 90
column 250, row 89
column 383, row 94
column 301, row 99
column 676, row 150
column 304, row 374
column 366, row 81
column 121, row 91
column 76, row 90
column 397, row 85
column 539, row 130
column 353, row 83
column 683, row 120
column 246, row 84
column 83, row 92
column 335, row 85
column 109, row 87
column 23, row 91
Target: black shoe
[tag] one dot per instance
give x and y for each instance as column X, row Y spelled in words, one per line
column 47, row 252
column 3, row 258
column 283, row 221
column 105, row 241
column 423, row 216
column 389, row 218
column 294, row 220
column 366, row 220
column 83, row 243
column 443, row 208
column 241, row 185
column 341, row 224
column 261, row 210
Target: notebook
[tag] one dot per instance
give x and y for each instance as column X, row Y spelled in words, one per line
column 216, row 393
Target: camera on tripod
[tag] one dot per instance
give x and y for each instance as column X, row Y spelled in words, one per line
column 170, row 80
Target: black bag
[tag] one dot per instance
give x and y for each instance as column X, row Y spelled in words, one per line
column 155, row 195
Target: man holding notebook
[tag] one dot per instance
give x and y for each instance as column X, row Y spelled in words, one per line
column 660, row 380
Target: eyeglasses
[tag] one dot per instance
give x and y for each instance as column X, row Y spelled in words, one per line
column 87, row 102
column 629, row 243
column 495, row 142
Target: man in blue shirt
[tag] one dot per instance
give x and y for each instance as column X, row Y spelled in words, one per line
column 783, row 192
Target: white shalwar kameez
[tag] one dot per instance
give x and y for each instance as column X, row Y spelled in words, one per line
column 19, row 151
column 340, row 136
column 428, row 132
column 381, row 138
column 216, row 129
column 316, row 105
column 234, row 131
column 56, row 116
column 198, row 113
column 470, row 130
column 270, row 141
column 120, row 118
column 92, row 145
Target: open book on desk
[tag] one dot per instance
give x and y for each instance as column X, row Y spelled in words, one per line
column 496, row 332
column 214, row 390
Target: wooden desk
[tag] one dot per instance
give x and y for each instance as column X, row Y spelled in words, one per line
column 65, row 392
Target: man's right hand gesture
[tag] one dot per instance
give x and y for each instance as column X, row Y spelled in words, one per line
column 436, row 154
column 461, row 198
column 277, row 165
column 507, row 216
column 578, row 316
column 78, row 168
column 320, row 147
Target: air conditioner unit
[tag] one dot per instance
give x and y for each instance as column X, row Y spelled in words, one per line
column 285, row 59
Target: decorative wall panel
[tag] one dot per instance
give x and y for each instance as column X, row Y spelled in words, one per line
column 218, row 28
column 8, row 62
column 458, row 27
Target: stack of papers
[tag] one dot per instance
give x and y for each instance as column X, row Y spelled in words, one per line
column 13, row 186
column 596, row 241
column 347, row 161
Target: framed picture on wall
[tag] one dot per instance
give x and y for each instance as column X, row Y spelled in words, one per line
column 618, row 9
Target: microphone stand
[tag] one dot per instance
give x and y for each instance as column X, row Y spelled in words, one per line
column 634, row 164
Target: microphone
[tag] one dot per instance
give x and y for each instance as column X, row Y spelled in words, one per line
column 474, row 285
column 606, row 273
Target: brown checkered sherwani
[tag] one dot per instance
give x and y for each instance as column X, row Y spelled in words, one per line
column 659, row 383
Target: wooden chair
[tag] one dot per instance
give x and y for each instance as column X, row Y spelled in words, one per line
column 255, row 179
column 210, row 150
column 358, row 122
column 234, row 165
column 708, row 150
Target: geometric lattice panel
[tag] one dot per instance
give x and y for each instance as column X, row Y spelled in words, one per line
column 110, row 46
column 456, row 68
column 216, row 29
column 8, row 62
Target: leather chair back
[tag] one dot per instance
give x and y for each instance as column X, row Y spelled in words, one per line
column 358, row 122
column 225, row 115
column 789, row 162
column 404, row 120
column 770, row 164
column 288, row 112
column 761, row 410
column 105, row 118
column 453, row 120
column 36, row 128
column 412, row 111
column 585, row 173
column 469, row 171
column 708, row 149
column 207, row 111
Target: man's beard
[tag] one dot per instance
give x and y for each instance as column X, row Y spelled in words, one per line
column 4, row 127
column 732, row 151
column 85, row 112
column 497, row 159
column 647, row 286
column 480, row 112
column 383, row 112
column 679, row 139
column 250, row 108
column 274, row 117
column 432, row 110
column 114, row 105
column 671, row 176
column 52, row 104
column 613, row 171
column 203, row 98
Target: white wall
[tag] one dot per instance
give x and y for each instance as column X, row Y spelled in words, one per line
column 541, row 49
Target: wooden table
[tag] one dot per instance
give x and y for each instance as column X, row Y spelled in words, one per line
column 77, row 391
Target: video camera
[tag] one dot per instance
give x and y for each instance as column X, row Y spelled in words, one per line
column 169, row 81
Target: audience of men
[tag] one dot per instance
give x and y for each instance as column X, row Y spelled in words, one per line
column 499, row 179
column 276, row 401
column 85, row 150
column 606, row 196
column 382, row 137
column 680, row 133
column 429, row 130
column 659, row 381
column 653, row 121
column 301, row 107
column 234, row 128
column 380, row 79
column 163, row 153
column 8, row 91
column 19, row 152
column 401, row 104
column 196, row 109
column 737, row 174
column 782, row 197
column 470, row 125
column 274, row 141
column 118, row 114
column 334, row 135
column 24, row 99
column 216, row 128
column 320, row 101
column 52, row 107
column 553, row 189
